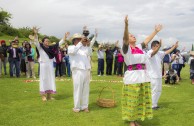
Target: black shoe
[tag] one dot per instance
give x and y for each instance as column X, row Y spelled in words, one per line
column 155, row 108
column 158, row 107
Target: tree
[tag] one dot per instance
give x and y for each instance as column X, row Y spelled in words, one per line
column 4, row 17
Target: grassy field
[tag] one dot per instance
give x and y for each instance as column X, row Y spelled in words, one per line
column 21, row 105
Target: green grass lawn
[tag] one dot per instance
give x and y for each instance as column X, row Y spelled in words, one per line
column 21, row 105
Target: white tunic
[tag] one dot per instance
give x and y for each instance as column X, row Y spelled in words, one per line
column 79, row 57
column 47, row 75
column 135, row 76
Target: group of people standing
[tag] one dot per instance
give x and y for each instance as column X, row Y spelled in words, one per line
column 113, row 56
column 22, row 59
column 142, row 79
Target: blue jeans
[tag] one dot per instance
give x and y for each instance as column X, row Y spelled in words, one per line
column 14, row 62
column 68, row 65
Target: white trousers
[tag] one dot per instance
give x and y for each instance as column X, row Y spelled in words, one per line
column 81, row 81
column 156, row 86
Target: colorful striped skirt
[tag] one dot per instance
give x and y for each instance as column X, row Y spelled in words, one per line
column 136, row 102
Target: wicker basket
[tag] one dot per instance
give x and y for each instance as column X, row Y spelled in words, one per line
column 108, row 103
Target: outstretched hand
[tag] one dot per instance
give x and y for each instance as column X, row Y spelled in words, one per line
column 126, row 19
column 176, row 44
column 158, row 27
column 96, row 32
column 66, row 35
column 35, row 30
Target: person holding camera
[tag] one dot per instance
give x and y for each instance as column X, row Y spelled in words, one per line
column 171, row 77
column 29, row 53
column 79, row 55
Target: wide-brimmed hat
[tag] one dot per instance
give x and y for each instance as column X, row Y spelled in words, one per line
column 76, row 35
column 192, row 53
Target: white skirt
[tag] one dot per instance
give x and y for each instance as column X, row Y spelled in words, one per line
column 47, row 78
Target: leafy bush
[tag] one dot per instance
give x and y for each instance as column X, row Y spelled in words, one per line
column 25, row 31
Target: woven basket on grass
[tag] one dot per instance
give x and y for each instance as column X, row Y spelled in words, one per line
column 102, row 102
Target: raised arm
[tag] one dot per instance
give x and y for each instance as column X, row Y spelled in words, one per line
column 35, row 38
column 93, row 39
column 126, row 36
column 64, row 38
column 172, row 48
column 72, row 50
column 150, row 37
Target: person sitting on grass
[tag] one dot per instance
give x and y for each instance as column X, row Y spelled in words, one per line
column 171, row 77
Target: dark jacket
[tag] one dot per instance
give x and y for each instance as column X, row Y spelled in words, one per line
column 10, row 51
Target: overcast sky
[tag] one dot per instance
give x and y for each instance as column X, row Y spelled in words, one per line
column 55, row 17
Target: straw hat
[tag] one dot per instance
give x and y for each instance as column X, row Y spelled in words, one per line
column 192, row 53
column 76, row 35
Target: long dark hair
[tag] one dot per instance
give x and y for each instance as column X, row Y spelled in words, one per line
column 45, row 38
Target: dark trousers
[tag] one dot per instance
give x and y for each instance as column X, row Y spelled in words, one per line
column 58, row 69
column 115, row 65
column 14, row 62
column 109, row 66
column 63, row 68
column 101, row 66
column 120, row 68
column 179, row 70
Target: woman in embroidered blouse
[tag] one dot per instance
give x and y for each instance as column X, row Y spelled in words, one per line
column 136, row 95
column 46, row 55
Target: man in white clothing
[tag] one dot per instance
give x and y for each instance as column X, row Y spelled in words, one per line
column 155, row 70
column 79, row 56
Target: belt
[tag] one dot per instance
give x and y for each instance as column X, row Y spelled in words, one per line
column 136, row 67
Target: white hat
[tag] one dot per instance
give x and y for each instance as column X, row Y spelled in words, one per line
column 76, row 35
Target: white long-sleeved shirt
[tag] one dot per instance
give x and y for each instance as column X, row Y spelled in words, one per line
column 100, row 54
column 79, row 56
column 43, row 56
column 154, row 64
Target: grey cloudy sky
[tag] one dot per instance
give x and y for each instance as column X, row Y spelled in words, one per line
column 55, row 17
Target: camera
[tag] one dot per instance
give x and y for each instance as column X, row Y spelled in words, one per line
column 86, row 32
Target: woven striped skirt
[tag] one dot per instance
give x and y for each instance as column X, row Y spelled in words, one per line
column 136, row 102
